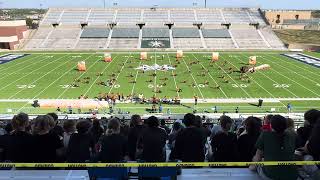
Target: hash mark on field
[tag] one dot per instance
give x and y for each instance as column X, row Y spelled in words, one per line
column 296, row 82
column 30, row 73
column 99, row 76
column 211, row 77
column 65, row 90
column 174, row 78
column 194, row 80
column 41, row 77
column 155, row 71
column 119, row 73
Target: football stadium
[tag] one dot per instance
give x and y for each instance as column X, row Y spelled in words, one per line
column 159, row 91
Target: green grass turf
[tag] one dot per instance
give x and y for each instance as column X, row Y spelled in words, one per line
column 48, row 76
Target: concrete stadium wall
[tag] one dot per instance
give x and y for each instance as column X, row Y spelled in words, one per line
column 271, row 15
column 9, row 29
column 308, row 47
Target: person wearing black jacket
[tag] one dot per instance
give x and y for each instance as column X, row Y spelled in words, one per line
column 81, row 144
column 17, row 144
column 113, row 146
column 135, row 131
column 152, row 142
column 189, row 144
column 224, row 144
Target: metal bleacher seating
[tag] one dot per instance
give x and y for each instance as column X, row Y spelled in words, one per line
column 68, row 34
column 100, row 16
column 186, row 38
column 248, row 38
column 217, row 38
column 209, row 16
column 124, row 38
column 155, row 33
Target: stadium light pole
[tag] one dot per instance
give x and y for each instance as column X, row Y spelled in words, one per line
column 205, row 3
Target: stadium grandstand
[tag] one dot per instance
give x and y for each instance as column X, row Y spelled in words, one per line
column 132, row 28
column 159, row 92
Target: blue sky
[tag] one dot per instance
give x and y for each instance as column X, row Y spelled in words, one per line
column 266, row 4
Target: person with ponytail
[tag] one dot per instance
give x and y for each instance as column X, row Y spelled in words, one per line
column 113, row 146
column 276, row 145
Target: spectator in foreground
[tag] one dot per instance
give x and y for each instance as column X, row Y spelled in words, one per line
column 81, row 144
column 247, row 140
column 164, row 126
column 176, row 128
column 224, row 144
column 45, row 144
column 304, row 133
column 152, row 142
column 267, row 123
column 189, row 145
column 312, row 148
column 135, row 131
column 69, row 127
column 277, row 145
column 17, row 144
column 113, row 145
column 57, row 129
column 96, row 130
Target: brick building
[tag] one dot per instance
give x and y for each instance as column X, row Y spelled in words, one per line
column 11, row 33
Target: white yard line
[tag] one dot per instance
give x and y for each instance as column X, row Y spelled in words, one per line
column 42, row 77
column 119, row 73
column 293, row 64
column 211, row 77
column 258, row 83
column 295, row 81
column 233, row 79
column 274, row 57
column 271, row 79
column 71, row 69
column 194, row 80
column 135, row 79
column 174, row 78
column 36, row 61
column 88, row 90
column 23, row 60
column 78, row 77
column 30, row 73
column 155, row 77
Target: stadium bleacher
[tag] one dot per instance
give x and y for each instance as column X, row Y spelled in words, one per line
column 95, row 33
column 242, row 34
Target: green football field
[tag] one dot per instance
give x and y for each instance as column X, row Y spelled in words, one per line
column 52, row 76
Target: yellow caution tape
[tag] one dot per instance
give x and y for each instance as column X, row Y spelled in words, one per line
column 165, row 164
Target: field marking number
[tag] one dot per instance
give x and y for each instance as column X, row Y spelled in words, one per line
column 281, row 85
column 26, row 86
column 239, row 85
column 66, row 86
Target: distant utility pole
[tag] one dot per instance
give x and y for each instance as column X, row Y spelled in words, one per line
column 104, row 4
column 205, row 3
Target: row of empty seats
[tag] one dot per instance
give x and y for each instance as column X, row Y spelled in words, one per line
column 156, row 16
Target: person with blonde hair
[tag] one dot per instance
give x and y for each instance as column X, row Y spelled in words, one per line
column 45, row 144
column 113, row 146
